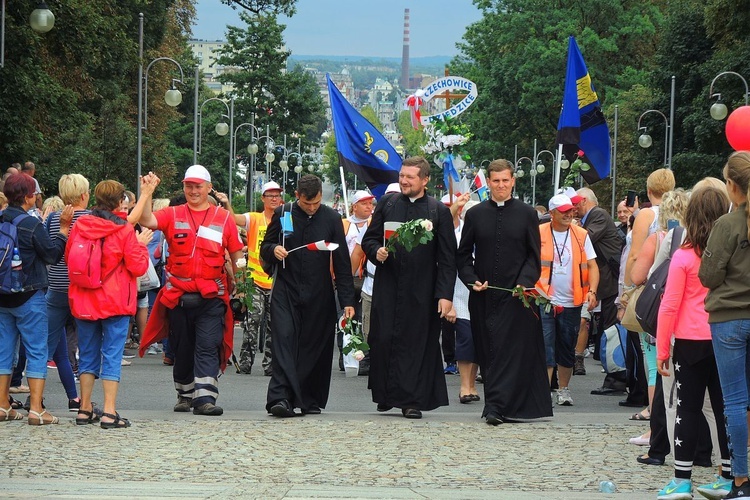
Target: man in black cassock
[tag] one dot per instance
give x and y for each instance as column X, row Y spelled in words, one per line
column 500, row 247
column 412, row 291
column 303, row 305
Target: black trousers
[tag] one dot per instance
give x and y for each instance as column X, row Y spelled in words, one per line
column 448, row 340
column 196, row 335
column 697, row 373
column 637, row 382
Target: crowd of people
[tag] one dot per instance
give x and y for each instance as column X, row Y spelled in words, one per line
column 524, row 293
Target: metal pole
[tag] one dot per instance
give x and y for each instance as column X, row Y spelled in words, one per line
column 140, row 105
column 613, row 171
column 231, row 156
column 2, row 34
column 533, row 177
column 671, row 122
column 195, row 117
column 250, row 181
column 268, row 165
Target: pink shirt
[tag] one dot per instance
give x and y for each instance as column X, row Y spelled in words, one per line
column 682, row 312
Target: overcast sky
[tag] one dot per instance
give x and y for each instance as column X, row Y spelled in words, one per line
column 356, row 27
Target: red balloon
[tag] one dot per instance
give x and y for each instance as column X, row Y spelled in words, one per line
column 738, row 129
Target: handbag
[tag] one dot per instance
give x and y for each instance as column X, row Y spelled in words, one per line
column 629, row 319
column 150, row 280
column 612, row 348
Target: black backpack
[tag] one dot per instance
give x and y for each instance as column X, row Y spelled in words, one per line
column 647, row 307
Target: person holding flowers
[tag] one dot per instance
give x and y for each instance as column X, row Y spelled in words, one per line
column 500, row 252
column 413, row 289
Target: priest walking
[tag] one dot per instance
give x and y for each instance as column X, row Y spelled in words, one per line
column 500, row 247
column 412, row 291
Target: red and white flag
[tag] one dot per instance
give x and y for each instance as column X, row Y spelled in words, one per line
column 390, row 228
column 322, row 245
column 480, row 185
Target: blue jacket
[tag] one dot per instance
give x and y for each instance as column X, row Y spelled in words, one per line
column 36, row 248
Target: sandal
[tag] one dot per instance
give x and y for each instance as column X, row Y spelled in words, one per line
column 10, row 414
column 39, row 418
column 14, row 403
column 117, row 423
column 640, row 417
column 90, row 417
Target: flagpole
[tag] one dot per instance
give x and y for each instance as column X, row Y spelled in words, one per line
column 614, row 166
column 343, row 190
column 557, row 170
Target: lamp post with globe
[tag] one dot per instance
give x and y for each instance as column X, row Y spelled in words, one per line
column 645, row 141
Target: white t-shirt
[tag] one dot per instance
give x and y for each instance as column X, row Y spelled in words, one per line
column 561, row 280
column 369, row 278
column 460, row 291
column 353, row 233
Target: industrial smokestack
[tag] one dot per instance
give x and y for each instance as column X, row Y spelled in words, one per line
column 405, row 53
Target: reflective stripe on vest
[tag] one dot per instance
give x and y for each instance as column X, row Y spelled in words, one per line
column 580, row 262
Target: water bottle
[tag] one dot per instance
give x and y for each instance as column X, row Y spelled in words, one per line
column 607, row 487
column 16, row 272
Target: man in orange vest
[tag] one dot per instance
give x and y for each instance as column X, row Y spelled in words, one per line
column 255, row 223
column 570, row 278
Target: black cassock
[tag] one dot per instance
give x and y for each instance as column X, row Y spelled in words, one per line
column 507, row 336
column 303, row 306
column 406, row 367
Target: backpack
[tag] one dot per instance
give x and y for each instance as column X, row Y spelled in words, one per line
column 84, row 260
column 8, row 241
column 647, row 307
column 612, row 348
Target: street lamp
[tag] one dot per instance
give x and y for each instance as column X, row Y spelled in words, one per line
column 519, row 171
column 173, row 97
column 252, row 149
column 539, row 168
column 718, row 109
column 645, row 140
column 41, row 20
column 221, row 129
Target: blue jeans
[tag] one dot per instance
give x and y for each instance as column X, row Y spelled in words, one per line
column 561, row 335
column 29, row 322
column 58, row 312
column 731, row 340
column 100, row 346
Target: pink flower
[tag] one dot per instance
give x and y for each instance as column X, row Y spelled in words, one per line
column 359, row 355
column 580, row 153
column 426, row 224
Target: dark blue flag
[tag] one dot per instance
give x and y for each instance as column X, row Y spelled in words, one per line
column 362, row 149
column 582, row 125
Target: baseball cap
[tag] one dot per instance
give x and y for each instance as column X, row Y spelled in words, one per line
column 197, row 174
column 575, row 198
column 393, row 187
column 561, row 203
column 361, row 196
column 270, row 186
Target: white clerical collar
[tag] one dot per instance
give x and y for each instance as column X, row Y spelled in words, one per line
column 501, row 203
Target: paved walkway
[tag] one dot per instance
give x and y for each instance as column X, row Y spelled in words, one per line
column 334, row 455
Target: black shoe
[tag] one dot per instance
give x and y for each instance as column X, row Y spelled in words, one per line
column 282, row 409
column 607, row 391
column 183, row 404
column 647, row 460
column 313, row 409
column 208, row 409
column 245, row 369
column 493, row 419
column 384, row 407
column 631, row 404
column 14, row 403
column 741, row 491
column 411, row 413
column 27, row 404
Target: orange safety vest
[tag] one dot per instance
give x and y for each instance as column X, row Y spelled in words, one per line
column 256, row 232
column 580, row 261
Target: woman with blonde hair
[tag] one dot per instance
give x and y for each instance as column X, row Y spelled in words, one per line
column 725, row 271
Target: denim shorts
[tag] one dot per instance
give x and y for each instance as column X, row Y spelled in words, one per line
column 100, row 346
column 561, row 335
column 27, row 322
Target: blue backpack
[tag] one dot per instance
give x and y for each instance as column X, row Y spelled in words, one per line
column 8, row 241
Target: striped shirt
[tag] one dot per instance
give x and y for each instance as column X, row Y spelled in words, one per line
column 58, row 273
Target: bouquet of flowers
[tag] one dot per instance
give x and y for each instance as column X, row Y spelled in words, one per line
column 243, row 284
column 354, row 342
column 409, row 235
column 528, row 296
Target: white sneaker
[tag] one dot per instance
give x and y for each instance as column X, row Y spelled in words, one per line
column 563, row 397
column 152, row 349
column 125, row 362
column 639, row 441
